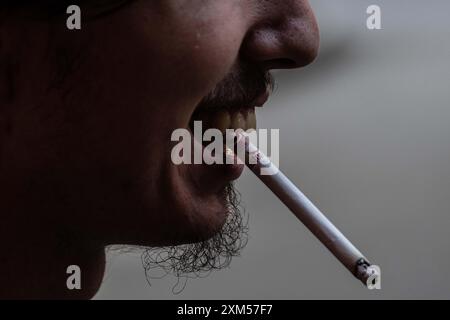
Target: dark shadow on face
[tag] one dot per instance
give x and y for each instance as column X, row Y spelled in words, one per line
column 86, row 125
column 199, row 259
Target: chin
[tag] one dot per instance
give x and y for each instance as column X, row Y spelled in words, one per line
column 205, row 216
column 206, row 225
column 201, row 203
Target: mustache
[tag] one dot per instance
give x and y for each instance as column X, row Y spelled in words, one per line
column 240, row 88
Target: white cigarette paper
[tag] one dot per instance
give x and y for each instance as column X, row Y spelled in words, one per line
column 311, row 216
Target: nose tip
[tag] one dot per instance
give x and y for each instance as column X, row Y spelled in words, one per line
column 291, row 42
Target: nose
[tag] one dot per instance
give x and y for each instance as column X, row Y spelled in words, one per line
column 285, row 35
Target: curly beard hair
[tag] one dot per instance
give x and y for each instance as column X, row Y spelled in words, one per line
column 200, row 259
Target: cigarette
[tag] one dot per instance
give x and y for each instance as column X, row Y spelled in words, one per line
column 311, row 216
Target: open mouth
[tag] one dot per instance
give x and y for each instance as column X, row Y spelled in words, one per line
column 219, row 162
column 244, row 118
column 229, row 117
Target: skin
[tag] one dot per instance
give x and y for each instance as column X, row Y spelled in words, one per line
column 85, row 124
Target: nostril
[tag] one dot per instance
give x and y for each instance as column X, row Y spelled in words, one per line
column 281, row 63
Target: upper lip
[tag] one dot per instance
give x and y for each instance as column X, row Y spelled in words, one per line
column 262, row 98
column 240, row 101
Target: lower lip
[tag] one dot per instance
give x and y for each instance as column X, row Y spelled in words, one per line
column 226, row 171
column 212, row 178
column 233, row 171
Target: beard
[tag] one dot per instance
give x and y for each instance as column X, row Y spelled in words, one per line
column 239, row 88
column 200, row 259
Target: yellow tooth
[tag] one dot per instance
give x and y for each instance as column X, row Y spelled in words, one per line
column 251, row 120
column 238, row 121
column 221, row 120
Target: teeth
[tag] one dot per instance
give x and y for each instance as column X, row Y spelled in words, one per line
column 220, row 120
column 251, row 120
column 223, row 120
column 238, row 121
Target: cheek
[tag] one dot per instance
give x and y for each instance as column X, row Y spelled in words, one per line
column 187, row 51
column 216, row 48
column 150, row 72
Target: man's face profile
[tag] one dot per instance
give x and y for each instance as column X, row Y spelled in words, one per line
column 86, row 119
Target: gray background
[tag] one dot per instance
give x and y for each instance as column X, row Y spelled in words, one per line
column 365, row 133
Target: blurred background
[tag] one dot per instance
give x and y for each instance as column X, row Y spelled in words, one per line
column 365, row 133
